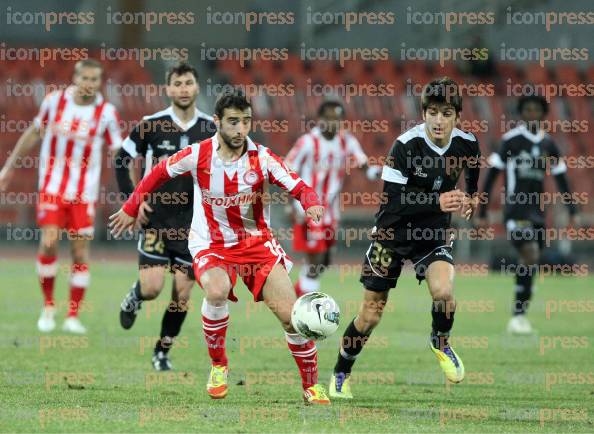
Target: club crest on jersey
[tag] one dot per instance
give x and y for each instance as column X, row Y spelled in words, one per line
column 437, row 183
column 250, row 177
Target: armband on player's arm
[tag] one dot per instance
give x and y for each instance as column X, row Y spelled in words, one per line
column 153, row 180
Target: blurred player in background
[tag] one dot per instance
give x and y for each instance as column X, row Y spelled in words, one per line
column 412, row 225
column 526, row 154
column 322, row 158
column 166, row 216
column 230, row 233
column 73, row 125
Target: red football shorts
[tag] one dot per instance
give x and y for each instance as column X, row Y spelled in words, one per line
column 77, row 217
column 252, row 259
column 313, row 238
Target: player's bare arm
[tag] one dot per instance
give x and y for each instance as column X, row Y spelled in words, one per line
column 28, row 140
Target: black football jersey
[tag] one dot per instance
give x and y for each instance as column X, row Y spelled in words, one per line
column 157, row 137
column 525, row 158
column 417, row 171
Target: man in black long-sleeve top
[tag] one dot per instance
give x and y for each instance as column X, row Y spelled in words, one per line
column 526, row 154
column 166, row 215
column 420, row 177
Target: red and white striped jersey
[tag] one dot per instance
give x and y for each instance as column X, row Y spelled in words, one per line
column 322, row 164
column 73, row 139
column 231, row 199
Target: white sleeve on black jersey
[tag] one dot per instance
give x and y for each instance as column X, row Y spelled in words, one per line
column 137, row 142
column 396, row 168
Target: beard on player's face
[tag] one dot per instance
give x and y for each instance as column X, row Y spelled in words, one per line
column 184, row 102
column 234, row 140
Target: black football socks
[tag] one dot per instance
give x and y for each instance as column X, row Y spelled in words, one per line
column 351, row 345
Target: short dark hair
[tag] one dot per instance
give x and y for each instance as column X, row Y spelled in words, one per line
column 87, row 63
column 533, row 98
column 180, row 69
column 442, row 90
column 329, row 103
column 235, row 98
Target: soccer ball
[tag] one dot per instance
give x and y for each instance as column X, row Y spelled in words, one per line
column 315, row 316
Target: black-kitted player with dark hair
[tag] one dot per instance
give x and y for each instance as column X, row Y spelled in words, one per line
column 420, row 177
column 526, row 154
column 166, row 216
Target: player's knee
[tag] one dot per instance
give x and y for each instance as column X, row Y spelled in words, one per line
column 442, row 291
column 151, row 290
column 48, row 247
column 216, row 294
column 216, row 287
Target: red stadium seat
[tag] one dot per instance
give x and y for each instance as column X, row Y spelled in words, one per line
column 567, row 74
column 534, row 73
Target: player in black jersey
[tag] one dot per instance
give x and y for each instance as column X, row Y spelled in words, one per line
column 420, row 193
column 166, row 215
column 526, row 154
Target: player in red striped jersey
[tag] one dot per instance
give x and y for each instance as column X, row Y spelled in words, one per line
column 73, row 125
column 322, row 158
column 230, row 232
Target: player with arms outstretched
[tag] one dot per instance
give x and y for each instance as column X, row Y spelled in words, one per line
column 420, row 177
column 526, row 154
column 166, row 217
column 73, row 125
column 230, row 233
column 322, row 158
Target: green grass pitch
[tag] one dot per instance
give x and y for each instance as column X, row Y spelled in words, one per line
column 103, row 382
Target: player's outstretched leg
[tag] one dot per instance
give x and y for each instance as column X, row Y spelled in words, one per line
column 215, row 319
column 47, row 268
column 173, row 318
column 440, row 280
column 280, row 297
column 525, row 272
column 354, row 338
